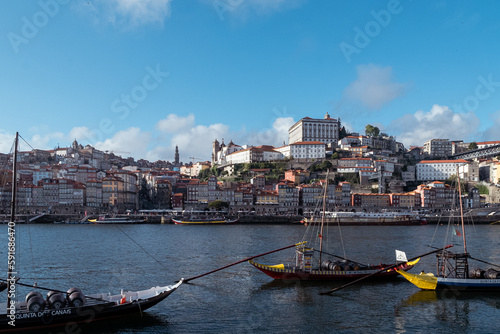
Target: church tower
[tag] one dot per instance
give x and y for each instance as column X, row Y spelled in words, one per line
column 215, row 150
column 176, row 157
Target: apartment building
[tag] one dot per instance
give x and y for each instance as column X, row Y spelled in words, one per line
column 437, row 170
column 438, row 148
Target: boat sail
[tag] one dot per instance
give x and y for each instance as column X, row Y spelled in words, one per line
column 63, row 307
column 325, row 266
column 453, row 269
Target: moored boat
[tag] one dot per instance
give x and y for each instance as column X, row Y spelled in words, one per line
column 329, row 271
column 199, row 221
column 56, row 308
column 117, row 220
column 369, row 218
column 454, row 270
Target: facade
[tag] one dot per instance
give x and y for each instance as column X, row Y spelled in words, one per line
column 263, row 153
column 163, row 194
column 435, row 195
column 437, row 170
column 296, row 175
column 371, row 200
column 438, row 148
column 324, row 130
column 308, row 150
column 288, row 198
column 469, row 172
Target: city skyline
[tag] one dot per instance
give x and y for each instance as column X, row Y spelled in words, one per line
column 141, row 77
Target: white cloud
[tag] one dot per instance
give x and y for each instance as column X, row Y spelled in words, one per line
column 374, row 87
column 126, row 13
column 274, row 136
column 139, row 12
column 197, row 141
column 241, row 9
column 130, row 142
column 44, row 141
column 438, row 123
column 493, row 132
column 6, row 141
column 175, row 123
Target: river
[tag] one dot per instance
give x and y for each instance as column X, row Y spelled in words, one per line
column 241, row 299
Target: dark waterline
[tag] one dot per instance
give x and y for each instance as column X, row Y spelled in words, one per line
column 240, row 299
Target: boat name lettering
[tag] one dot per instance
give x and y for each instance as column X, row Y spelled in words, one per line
column 489, row 281
column 42, row 313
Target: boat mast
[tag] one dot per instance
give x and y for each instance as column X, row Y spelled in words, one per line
column 323, row 220
column 12, row 224
column 461, row 211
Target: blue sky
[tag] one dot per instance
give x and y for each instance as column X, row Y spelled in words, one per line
column 138, row 77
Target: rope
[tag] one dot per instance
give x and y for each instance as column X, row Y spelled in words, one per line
column 144, row 250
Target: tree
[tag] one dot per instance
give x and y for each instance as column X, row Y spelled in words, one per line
column 372, row 131
column 218, row 205
column 204, row 174
column 342, row 133
column 473, row 146
column 453, row 182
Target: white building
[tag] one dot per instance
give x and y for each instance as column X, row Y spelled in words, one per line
column 263, row 153
column 437, row 170
column 485, row 144
column 308, row 129
column 308, row 150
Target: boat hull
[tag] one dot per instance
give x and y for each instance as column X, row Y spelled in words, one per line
column 117, row 221
column 201, row 222
column 280, row 272
column 89, row 313
column 431, row 282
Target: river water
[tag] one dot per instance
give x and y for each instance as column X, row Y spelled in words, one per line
column 241, row 299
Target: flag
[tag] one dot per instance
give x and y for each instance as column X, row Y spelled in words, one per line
column 401, row 256
column 320, row 236
column 457, row 232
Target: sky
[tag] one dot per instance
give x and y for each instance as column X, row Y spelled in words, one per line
column 140, row 77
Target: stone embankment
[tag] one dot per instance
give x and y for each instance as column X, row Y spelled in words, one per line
column 476, row 216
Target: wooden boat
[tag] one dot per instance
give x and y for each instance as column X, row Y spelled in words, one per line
column 313, row 261
column 329, row 271
column 63, row 308
column 117, row 220
column 453, row 269
column 199, row 221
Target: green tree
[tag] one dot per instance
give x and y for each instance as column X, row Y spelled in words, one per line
column 473, row 146
column 372, row 131
column 204, row 174
column 483, row 189
column 218, row 205
column 342, row 133
column 452, row 181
